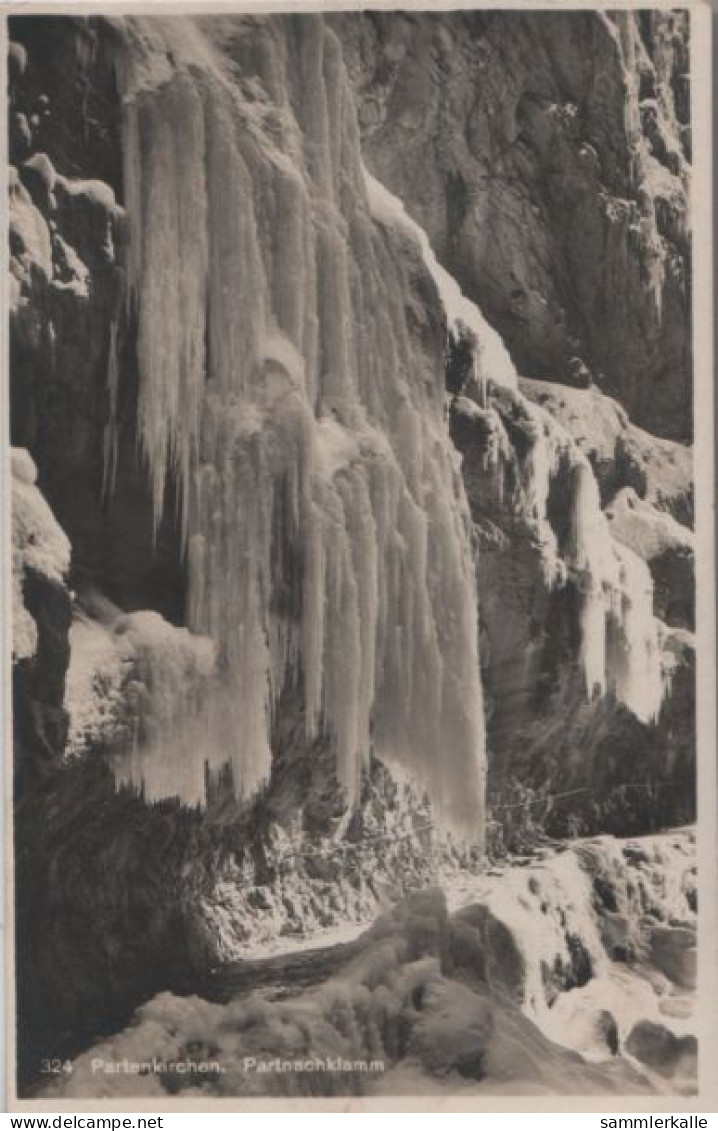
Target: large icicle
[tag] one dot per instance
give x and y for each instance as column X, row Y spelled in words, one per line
column 300, row 414
column 620, row 649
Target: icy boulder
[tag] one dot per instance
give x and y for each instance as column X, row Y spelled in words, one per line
column 126, row 676
column 666, row 546
column 453, row 1031
column 39, row 546
column 41, row 621
column 658, row 1048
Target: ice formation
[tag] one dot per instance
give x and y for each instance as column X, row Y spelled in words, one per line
column 619, row 650
column 288, row 396
column 172, row 670
column 30, row 236
column 130, row 678
column 619, row 639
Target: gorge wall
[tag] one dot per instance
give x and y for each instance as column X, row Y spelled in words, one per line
column 548, row 159
column 336, row 549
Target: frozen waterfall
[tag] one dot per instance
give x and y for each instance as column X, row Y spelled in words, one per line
column 298, row 411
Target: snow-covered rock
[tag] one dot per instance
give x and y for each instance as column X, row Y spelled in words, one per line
column 416, row 1001
column 39, row 545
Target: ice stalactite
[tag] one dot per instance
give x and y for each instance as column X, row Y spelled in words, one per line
column 168, row 269
column 288, row 393
column 620, row 648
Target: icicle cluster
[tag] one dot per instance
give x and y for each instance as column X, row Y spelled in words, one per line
column 620, row 649
column 287, row 391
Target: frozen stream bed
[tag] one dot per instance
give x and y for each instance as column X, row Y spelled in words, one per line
column 570, row 971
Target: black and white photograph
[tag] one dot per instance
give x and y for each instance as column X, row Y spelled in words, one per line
column 354, row 425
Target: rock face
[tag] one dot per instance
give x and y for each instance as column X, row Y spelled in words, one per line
column 67, row 292
column 668, row 548
column 603, row 765
column 546, row 155
column 622, row 455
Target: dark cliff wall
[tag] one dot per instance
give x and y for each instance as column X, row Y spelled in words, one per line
column 69, row 315
column 546, row 154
